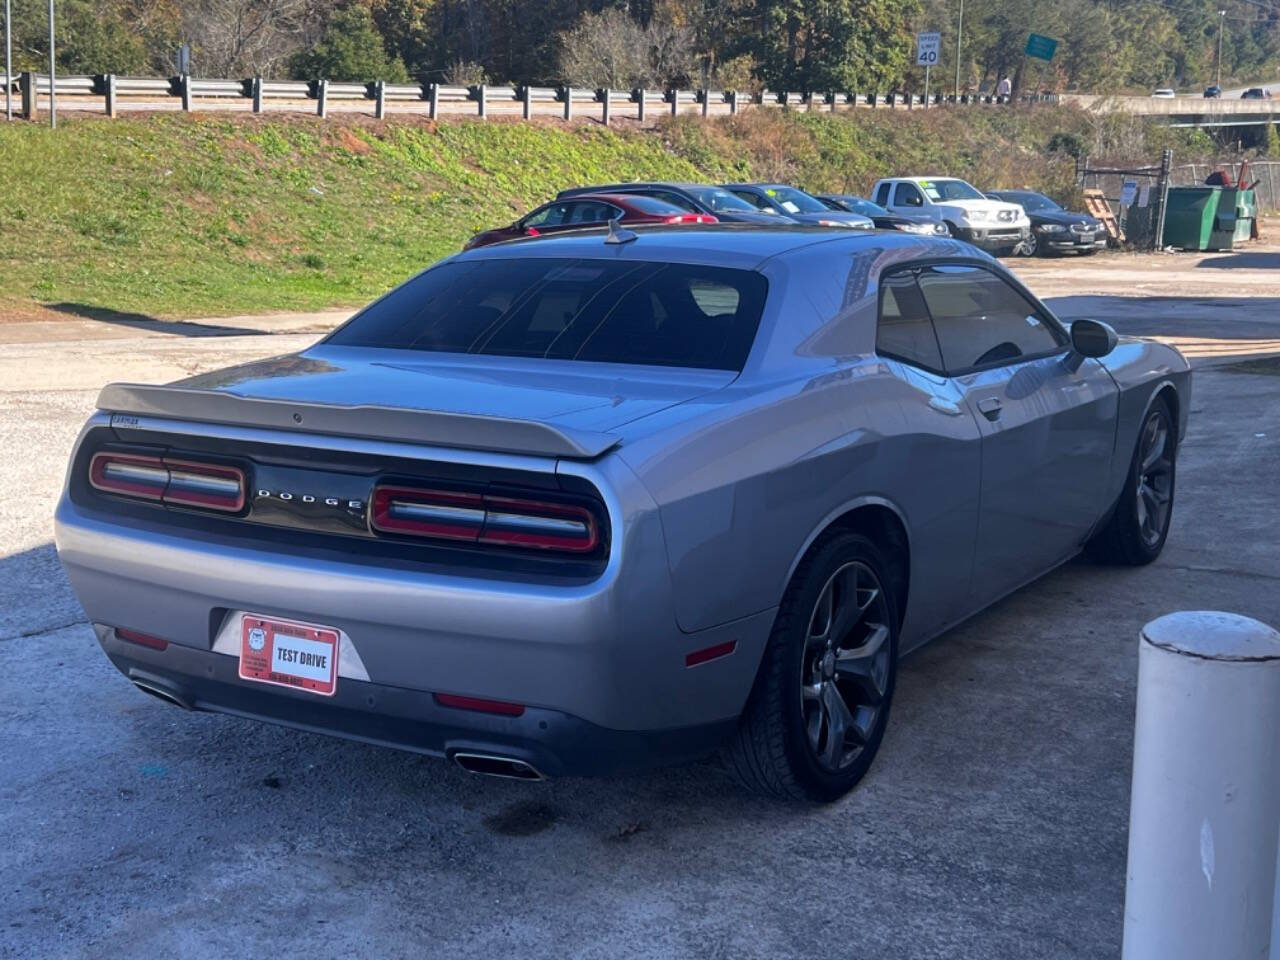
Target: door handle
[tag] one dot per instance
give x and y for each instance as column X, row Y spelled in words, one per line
column 944, row 406
column 990, row 407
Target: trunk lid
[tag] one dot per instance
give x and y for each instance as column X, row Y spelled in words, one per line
column 509, row 404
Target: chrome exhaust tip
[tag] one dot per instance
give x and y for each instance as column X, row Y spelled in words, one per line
column 489, row 765
column 160, row 691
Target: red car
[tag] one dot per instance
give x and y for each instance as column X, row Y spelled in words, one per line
column 590, row 210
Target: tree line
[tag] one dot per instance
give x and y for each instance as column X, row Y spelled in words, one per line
column 1105, row 46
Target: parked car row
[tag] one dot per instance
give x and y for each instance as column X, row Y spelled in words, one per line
column 1002, row 222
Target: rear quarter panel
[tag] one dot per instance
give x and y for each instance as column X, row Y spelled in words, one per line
column 746, row 477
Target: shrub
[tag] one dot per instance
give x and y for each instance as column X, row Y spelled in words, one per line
column 610, row 49
column 465, row 73
column 350, row 49
column 1068, row 143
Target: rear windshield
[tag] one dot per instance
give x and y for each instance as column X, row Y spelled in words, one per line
column 564, row 309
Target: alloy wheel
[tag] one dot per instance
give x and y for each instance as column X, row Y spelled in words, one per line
column 845, row 667
column 1155, row 478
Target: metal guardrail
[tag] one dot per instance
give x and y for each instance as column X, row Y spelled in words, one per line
column 120, row 93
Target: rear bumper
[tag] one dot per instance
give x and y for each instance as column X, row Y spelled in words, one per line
column 553, row 742
column 608, row 651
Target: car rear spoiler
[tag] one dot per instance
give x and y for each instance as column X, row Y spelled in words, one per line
column 398, row 424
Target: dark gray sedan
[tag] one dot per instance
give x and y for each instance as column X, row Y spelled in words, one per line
column 780, row 199
column 609, row 499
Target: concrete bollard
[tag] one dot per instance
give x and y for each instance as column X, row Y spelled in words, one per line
column 257, row 94
column 109, row 82
column 1206, row 790
column 322, row 98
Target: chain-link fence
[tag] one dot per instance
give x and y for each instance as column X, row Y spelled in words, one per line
column 1263, row 174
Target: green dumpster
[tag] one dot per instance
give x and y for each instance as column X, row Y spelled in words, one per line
column 1189, row 218
column 1225, row 221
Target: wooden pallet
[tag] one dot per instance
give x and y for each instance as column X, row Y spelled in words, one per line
column 1095, row 202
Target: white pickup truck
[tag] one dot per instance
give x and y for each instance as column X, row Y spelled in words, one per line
column 993, row 225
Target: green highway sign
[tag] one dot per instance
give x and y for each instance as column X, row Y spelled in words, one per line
column 1041, row 46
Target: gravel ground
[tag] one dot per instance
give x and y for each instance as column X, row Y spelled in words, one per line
column 993, row 825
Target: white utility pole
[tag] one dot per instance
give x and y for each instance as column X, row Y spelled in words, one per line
column 8, row 60
column 959, row 35
column 1222, row 20
column 53, row 97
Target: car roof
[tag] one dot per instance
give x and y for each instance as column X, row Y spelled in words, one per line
column 624, row 187
column 743, row 246
column 618, row 198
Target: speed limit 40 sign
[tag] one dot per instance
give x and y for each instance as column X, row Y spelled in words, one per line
column 927, row 46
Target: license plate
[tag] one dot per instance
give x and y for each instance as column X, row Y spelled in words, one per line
column 288, row 654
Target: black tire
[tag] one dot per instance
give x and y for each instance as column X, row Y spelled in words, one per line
column 1004, row 253
column 772, row 752
column 1130, row 538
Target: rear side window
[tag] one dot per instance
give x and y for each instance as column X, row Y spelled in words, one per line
column 905, row 330
column 882, row 195
column 982, row 321
column 607, row 311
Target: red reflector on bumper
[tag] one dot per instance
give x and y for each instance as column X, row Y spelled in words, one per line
column 142, row 639
column 481, row 706
column 710, row 653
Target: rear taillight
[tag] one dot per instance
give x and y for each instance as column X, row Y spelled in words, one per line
column 692, row 218
column 178, row 482
column 485, row 518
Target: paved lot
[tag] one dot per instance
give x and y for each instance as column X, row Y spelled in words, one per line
column 993, row 825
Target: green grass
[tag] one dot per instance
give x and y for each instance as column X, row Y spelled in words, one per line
column 211, row 215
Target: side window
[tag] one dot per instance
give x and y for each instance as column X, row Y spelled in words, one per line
column 907, row 195
column 757, row 201
column 673, row 198
column 552, row 215
column 982, row 321
column 882, row 195
column 904, row 330
column 590, row 211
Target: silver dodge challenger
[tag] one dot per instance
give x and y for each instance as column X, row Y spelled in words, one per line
column 574, row 505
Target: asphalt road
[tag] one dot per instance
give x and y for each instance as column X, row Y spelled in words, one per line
column 993, row 825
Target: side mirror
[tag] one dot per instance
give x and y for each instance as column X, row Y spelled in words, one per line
column 1090, row 338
